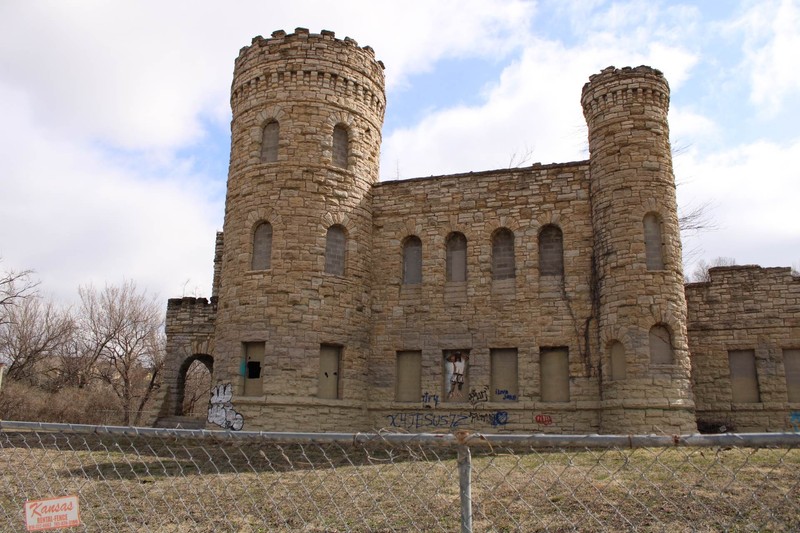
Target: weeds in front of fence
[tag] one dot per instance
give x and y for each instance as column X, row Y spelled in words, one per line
column 185, row 481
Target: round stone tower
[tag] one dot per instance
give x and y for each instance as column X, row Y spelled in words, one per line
column 294, row 295
column 638, row 275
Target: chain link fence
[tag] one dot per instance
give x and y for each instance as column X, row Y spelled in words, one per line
column 140, row 479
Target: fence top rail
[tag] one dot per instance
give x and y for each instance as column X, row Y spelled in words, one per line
column 532, row 440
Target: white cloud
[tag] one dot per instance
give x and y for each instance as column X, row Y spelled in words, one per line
column 534, row 105
column 77, row 216
column 771, row 45
column 754, row 189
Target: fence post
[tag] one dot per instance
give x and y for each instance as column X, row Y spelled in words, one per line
column 464, row 483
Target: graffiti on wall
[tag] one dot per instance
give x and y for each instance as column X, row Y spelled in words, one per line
column 430, row 401
column 477, row 396
column 794, row 420
column 543, row 419
column 220, row 408
column 504, row 395
column 429, row 420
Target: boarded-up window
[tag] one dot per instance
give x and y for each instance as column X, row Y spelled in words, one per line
column 456, row 257
column 329, row 364
column 791, row 365
column 744, row 380
column 262, row 247
column 551, row 251
column 554, row 363
column 335, row 246
column 253, row 368
column 456, row 375
column 409, row 376
column 504, row 374
column 412, row 260
column 269, row 143
column 340, row 146
column 503, row 266
column 661, row 346
column 653, row 245
column 619, row 366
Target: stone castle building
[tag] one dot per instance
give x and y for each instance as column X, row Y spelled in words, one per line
column 340, row 303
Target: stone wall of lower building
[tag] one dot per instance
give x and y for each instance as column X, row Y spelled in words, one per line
column 743, row 309
column 190, row 337
column 526, row 314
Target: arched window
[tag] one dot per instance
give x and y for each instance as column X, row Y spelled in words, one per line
column 619, row 365
column 341, row 139
column 269, row 143
column 661, row 346
column 335, row 246
column 503, row 266
column 456, row 257
column 412, row 260
column 262, row 247
column 551, row 251
column 653, row 245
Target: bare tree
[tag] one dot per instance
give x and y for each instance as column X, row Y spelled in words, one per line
column 32, row 338
column 14, row 287
column 701, row 273
column 123, row 343
column 197, row 389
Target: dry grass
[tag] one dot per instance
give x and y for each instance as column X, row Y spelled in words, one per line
column 167, row 484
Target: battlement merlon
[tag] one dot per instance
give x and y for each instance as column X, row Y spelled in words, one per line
column 300, row 62
column 628, row 85
column 320, row 43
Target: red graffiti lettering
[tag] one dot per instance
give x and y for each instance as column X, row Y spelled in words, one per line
column 544, row 420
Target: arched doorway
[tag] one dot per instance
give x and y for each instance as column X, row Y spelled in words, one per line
column 194, row 386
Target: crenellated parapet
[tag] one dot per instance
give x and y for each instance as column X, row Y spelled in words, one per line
column 304, row 61
column 184, row 314
column 625, row 86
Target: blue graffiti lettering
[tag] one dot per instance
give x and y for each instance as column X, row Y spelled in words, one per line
column 794, row 419
column 425, row 420
column 430, row 400
column 503, row 394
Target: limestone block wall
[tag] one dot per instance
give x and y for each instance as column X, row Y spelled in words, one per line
column 744, row 308
column 639, row 281
column 190, row 336
column 527, row 312
column 305, row 86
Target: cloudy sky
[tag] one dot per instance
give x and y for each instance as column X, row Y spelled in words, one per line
column 114, row 116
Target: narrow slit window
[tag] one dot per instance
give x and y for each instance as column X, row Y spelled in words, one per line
column 653, row 244
column 456, row 257
column 269, row 142
column 551, row 251
column 262, row 247
column 335, row 247
column 503, row 265
column 412, row 261
column 341, row 141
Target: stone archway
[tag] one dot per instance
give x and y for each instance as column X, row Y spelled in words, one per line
column 205, row 361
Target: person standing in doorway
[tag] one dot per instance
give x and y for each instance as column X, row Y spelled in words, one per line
column 457, row 369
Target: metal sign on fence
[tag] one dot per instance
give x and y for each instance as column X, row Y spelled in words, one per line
column 52, row 513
